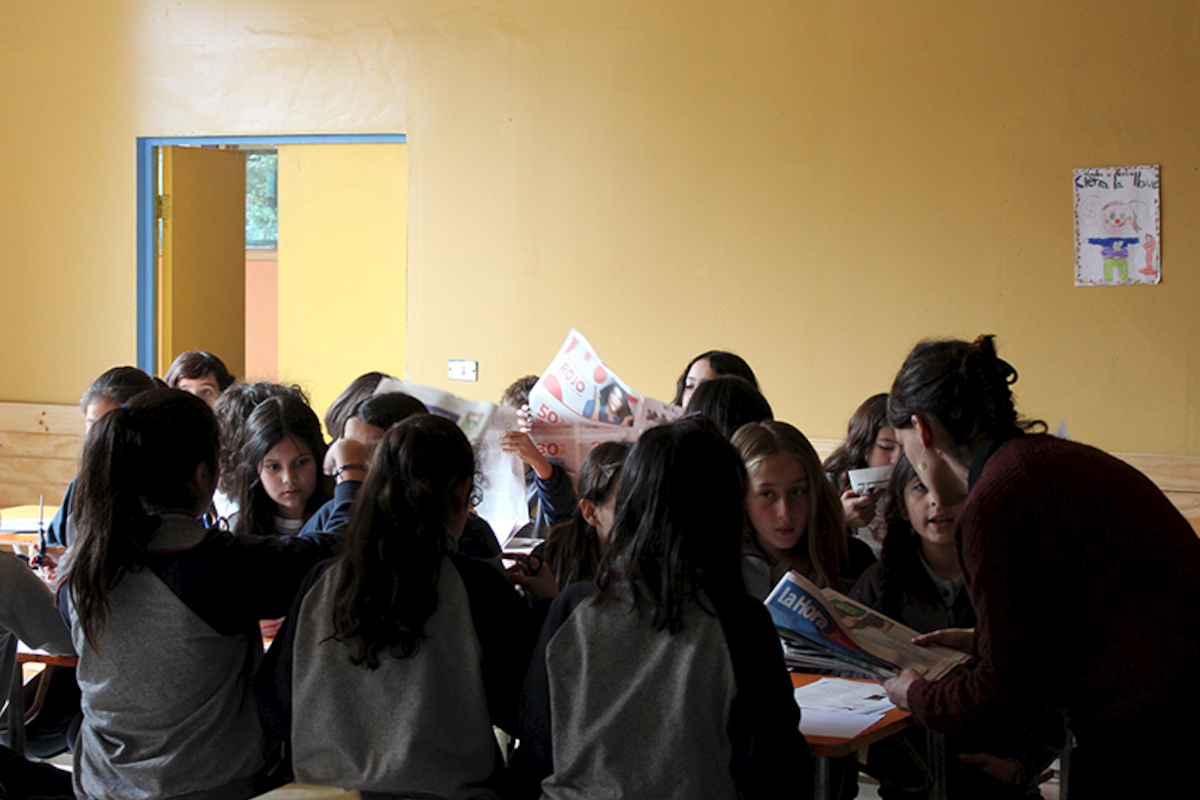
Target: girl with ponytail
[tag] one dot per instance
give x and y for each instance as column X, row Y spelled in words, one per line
column 1071, row 558
column 164, row 613
column 399, row 657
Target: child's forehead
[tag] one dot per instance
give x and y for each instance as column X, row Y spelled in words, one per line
column 289, row 447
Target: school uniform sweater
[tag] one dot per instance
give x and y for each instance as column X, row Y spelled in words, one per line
column 421, row 724
column 1085, row 581
column 614, row 708
column 167, row 707
column 27, row 613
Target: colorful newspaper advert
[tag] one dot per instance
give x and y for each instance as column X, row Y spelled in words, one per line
column 579, row 402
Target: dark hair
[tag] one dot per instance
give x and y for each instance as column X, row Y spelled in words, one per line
column 397, row 538
column 272, row 421
column 729, row 403
column 343, row 407
column 900, row 542
column 386, row 409
column 116, row 385
column 861, row 433
column 602, row 406
column 720, row 362
column 822, row 554
column 678, row 526
column 233, row 408
column 573, row 547
column 196, row 364
column 137, row 460
column 963, row 385
column 517, row 394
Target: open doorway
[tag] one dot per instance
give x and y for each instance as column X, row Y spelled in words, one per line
column 339, row 263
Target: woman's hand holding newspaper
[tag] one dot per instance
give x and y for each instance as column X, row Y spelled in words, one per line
column 897, row 687
column 960, row 639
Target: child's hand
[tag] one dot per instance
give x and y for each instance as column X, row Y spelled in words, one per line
column 859, row 508
column 525, row 419
column 48, row 566
column 539, row 584
column 346, row 451
column 519, row 444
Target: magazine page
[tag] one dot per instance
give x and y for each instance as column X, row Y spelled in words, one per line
column 891, row 641
column 853, row 632
column 800, row 613
column 580, row 402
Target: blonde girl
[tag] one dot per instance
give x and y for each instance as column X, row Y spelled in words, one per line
column 793, row 515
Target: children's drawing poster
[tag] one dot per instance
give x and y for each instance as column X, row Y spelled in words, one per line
column 1117, row 239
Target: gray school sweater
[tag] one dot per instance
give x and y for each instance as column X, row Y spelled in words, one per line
column 614, row 708
column 27, row 613
column 166, row 700
column 420, row 725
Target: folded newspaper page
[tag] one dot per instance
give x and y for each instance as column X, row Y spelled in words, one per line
column 579, row 402
column 502, row 477
column 847, row 632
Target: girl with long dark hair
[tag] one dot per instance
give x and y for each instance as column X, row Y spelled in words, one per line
column 398, row 657
column 667, row 626
column 163, row 612
column 279, row 484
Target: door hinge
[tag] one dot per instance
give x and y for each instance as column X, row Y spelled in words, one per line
column 162, row 206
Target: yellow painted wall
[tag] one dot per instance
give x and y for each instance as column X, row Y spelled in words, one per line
column 342, row 210
column 813, row 183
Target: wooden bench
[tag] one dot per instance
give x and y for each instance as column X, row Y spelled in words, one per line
column 39, row 451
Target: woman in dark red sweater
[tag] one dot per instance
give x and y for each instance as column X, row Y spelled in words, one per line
column 1084, row 578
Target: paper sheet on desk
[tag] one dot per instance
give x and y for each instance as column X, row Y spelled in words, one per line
column 837, row 707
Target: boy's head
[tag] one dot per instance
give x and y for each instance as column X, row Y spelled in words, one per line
column 517, row 395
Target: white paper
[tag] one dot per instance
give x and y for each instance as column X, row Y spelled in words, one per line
column 845, row 696
column 835, row 723
column 501, row 475
column 869, row 479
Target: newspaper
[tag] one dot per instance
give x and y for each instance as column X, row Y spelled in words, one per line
column 576, row 404
column 842, row 631
column 579, row 402
column 501, row 475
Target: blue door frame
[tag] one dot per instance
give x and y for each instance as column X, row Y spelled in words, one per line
column 147, row 272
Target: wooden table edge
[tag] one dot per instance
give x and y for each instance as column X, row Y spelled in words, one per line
column 892, row 723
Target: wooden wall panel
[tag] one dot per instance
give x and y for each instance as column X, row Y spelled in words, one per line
column 39, row 451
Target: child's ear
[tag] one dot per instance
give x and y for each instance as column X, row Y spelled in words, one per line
column 589, row 510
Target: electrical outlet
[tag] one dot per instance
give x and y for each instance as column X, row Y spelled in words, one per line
column 460, row 370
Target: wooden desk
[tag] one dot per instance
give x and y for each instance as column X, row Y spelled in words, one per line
column 16, row 692
column 23, row 544
column 824, row 748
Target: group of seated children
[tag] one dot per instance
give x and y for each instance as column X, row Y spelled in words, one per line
column 632, row 657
